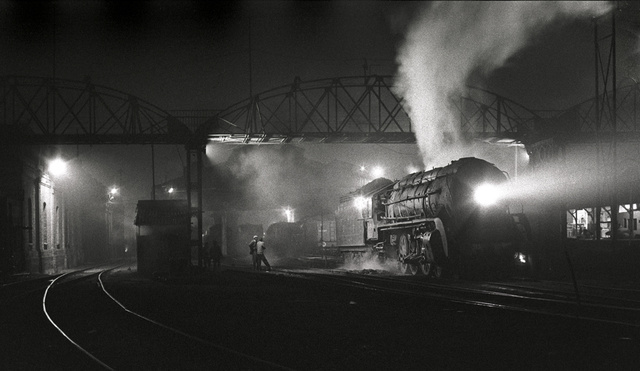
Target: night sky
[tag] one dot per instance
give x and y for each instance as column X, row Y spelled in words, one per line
column 195, row 55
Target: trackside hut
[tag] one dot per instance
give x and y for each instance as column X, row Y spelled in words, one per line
column 162, row 236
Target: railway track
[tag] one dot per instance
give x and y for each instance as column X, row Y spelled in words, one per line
column 542, row 298
column 314, row 320
column 113, row 337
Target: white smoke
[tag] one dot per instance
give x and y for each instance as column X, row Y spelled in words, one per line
column 450, row 40
column 369, row 262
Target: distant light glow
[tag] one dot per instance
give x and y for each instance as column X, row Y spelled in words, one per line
column 289, row 214
column 57, row 167
column 520, row 258
column 171, row 190
column 377, row 172
column 360, row 203
column 412, row 169
column 486, row 194
column 114, row 191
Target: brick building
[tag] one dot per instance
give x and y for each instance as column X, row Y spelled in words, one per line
column 46, row 222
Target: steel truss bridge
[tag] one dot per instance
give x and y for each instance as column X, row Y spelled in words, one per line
column 356, row 109
column 360, row 109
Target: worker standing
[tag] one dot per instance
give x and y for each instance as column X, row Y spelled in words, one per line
column 260, row 255
column 252, row 251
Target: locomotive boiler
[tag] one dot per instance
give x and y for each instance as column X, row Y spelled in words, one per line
column 441, row 220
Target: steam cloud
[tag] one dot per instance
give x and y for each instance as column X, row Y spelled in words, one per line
column 450, row 40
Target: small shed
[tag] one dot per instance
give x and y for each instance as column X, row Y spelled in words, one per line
column 163, row 236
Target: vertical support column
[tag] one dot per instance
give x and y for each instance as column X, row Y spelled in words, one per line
column 194, row 198
column 607, row 105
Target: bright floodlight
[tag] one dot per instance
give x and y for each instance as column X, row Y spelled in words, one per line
column 171, row 190
column 377, row 172
column 486, row 195
column 114, row 191
column 57, row 167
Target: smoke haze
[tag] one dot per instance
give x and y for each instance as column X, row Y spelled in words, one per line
column 449, row 41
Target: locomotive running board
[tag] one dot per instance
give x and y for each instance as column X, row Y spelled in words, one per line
column 401, row 225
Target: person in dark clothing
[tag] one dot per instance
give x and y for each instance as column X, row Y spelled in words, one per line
column 260, row 255
column 252, row 251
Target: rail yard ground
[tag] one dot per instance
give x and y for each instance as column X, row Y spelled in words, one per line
column 313, row 325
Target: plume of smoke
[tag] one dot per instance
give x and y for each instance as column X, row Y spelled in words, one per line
column 449, row 41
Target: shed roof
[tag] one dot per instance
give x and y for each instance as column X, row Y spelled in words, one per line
column 162, row 212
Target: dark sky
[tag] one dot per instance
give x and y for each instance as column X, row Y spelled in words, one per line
column 195, row 55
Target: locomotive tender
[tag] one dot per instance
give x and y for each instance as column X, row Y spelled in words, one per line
column 444, row 219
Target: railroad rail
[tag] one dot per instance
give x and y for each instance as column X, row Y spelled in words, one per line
column 126, row 334
column 515, row 296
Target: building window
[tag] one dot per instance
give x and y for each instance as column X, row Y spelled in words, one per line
column 605, row 222
column 581, row 223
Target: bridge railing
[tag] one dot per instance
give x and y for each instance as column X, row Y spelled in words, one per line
column 588, row 119
column 354, row 109
column 38, row 110
column 360, row 109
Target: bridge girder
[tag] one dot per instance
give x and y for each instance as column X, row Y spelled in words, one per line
column 36, row 110
column 355, row 109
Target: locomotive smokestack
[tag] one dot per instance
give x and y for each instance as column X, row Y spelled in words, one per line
column 450, row 41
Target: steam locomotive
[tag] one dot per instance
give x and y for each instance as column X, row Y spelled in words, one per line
column 442, row 220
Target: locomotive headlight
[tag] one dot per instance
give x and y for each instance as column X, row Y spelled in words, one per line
column 486, row 195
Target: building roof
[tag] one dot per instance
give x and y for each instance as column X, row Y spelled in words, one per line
column 162, row 212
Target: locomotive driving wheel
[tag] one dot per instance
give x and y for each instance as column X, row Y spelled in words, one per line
column 403, row 251
column 426, row 267
column 413, row 268
column 437, row 271
column 406, row 248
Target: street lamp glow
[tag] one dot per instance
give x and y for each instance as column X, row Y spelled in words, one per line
column 360, row 202
column 289, row 214
column 377, row 172
column 114, row 191
column 57, row 167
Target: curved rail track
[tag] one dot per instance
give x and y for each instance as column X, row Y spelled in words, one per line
column 321, row 319
column 120, row 338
